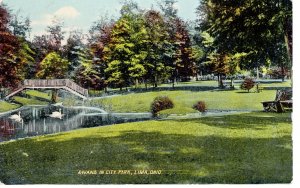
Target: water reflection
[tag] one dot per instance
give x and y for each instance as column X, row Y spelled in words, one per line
column 38, row 121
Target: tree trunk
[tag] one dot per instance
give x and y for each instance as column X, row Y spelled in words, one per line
column 231, row 82
column 155, row 81
column 173, row 84
column 220, row 81
column 289, row 52
column 257, row 73
column 136, row 83
column 54, row 96
column 282, row 72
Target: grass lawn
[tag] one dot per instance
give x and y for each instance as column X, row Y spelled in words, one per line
column 5, row 106
column 26, row 101
column 39, row 94
column 184, row 100
column 245, row 148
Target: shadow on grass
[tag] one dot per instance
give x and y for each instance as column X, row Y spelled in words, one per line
column 244, row 92
column 245, row 121
column 177, row 88
column 182, row 159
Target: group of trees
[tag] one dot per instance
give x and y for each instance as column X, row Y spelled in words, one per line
column 246, row 34
column 151, row 46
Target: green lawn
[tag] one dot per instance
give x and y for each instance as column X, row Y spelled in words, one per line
column 26, row 101
column 5, row 106
column 246, row 148
column 39, row 94
column 184, row 100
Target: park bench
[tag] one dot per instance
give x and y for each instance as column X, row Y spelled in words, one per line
column 283, row 101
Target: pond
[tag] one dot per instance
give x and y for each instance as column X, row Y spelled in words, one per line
column 42, row 120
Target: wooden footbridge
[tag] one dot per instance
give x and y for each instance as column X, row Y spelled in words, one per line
column 65, row 84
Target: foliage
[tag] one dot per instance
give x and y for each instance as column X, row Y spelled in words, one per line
column 53, row 67
column 20, row 26
column 161, row 103
column 200, row 106
column 86, row 74
column 158, row 46
column 126, row 51
column 259, row 28
column 248, row 84
column 49, row 42
column 71, row 51
column 10, row 65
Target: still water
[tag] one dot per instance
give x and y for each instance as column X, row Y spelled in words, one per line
column 35, row 121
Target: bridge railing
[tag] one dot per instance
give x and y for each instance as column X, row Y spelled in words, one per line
column 72, row 85
column 56, row 83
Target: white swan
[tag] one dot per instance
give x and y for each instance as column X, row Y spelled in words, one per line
column 57, row 114
column 16, row 117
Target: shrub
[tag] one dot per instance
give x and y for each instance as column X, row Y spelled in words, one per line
column 161, row 103
column 200, row 106
column 247, row 84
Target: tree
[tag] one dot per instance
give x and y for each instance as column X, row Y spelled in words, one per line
column 127, row 49
column 53, row 67
column 185, row 64
column 50, row 42
column 119, row 54
column 158, row 47
column 72, row 51
column 86, row 74
column 10, row 65
column 20, row 26
column 99, row 37
column 255, row 27
column 56, row 35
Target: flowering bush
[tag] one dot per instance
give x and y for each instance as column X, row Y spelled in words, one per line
column 247, row 84
column 200, row 106
column 161, row 103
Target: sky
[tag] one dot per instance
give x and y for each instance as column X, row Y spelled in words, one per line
column 80, row 14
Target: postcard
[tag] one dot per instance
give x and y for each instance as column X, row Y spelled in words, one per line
column 146, row 92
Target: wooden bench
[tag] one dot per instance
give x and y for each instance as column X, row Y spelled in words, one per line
column 283, row 101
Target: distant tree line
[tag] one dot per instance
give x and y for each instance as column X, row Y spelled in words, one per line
column 150, row 47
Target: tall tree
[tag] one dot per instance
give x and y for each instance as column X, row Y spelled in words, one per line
column 255, row 27
column 127, row 49
column 72, row 51
column 157, row 48
column 53, row 66
column 20, row 26
column 56, row 35
column 185, row 63
column 10, row 65
column 86, row 74
column 49, row 42
column 100, row 37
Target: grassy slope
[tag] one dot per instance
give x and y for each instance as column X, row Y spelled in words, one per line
column 36, row 93
column 184, row 100
column 5, row 106
column 26, row 101
column 247, row 148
